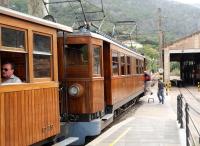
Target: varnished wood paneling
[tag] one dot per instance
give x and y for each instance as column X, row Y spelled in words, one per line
column 78, row 71
column 78, row 40
column 107, row 72
column 61, row 62
column 97, row 42
column 122, row 87
column 25, row 86
column 28, row 116
column 2, row 120
column 92, row 99
column 77, row 104
column 98, row 95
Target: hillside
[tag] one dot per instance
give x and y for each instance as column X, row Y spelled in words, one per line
column 178, row 19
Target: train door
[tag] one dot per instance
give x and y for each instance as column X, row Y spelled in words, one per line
column 107, row 74
column 62, row 61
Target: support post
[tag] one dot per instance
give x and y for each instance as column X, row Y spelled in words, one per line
column 181, row 110
column 178, row 108
column 187, row 124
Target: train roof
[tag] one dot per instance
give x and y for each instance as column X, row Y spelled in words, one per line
column 19, row 15
column 107, row 39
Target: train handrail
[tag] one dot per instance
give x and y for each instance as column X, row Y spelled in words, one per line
column 184, row 116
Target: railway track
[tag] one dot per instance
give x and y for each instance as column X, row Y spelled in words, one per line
column 192, row 93
column 191, row 96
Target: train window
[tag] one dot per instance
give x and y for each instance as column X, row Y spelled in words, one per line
column 140, row 67
column 96, row 60
column 142, row 64
column 42, row 43
column 137, row 66
column 19, row 61
column 128, row 65
column 41, row 65
column 77, row 54
column 115, row 64
column 12, row 38
column 123, row 64
column 42, row 56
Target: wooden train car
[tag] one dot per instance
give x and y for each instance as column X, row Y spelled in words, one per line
column 29, row 111
column 101, row 76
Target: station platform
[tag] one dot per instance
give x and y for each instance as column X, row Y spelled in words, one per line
column 152, row 124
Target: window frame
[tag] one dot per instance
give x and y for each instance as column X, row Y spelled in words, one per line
column 42, row 79
column 137, row 66
column 118, row 62
column 14, row 49
column 88, row 56
column 128, row 65
column 124, row 63
column 100, row 60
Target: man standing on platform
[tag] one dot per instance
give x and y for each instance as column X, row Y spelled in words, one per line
column 160, row 93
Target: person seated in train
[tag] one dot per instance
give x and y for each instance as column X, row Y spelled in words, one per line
column 8, row 76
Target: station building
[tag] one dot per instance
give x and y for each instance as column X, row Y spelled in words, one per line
column 186, row 51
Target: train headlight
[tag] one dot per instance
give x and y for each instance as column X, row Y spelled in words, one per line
column 75, row 90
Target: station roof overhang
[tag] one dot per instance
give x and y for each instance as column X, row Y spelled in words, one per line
column 184, row 55
column 184, row 51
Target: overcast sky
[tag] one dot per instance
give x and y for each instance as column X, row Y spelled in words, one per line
column 189, row 1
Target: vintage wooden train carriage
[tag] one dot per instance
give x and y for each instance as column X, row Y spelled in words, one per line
column 29, row 112
column 83, row 72
column 98, row 73
column 123, row 75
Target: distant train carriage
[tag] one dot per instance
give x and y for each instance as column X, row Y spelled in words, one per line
column 101, row 76
column 29, row 111
column 123, row 75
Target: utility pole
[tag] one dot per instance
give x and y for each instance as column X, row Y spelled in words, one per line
column 161, row 38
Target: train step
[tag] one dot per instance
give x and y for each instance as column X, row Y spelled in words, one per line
column 66, row 141
column 107, row 117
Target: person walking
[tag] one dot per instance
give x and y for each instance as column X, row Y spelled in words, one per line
column 160, row 93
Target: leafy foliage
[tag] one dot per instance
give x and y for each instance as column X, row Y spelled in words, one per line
column 151, row 55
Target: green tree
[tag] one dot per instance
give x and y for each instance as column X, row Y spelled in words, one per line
column 151, row 55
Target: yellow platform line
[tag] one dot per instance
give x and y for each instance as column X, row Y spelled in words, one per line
column 119, row 137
